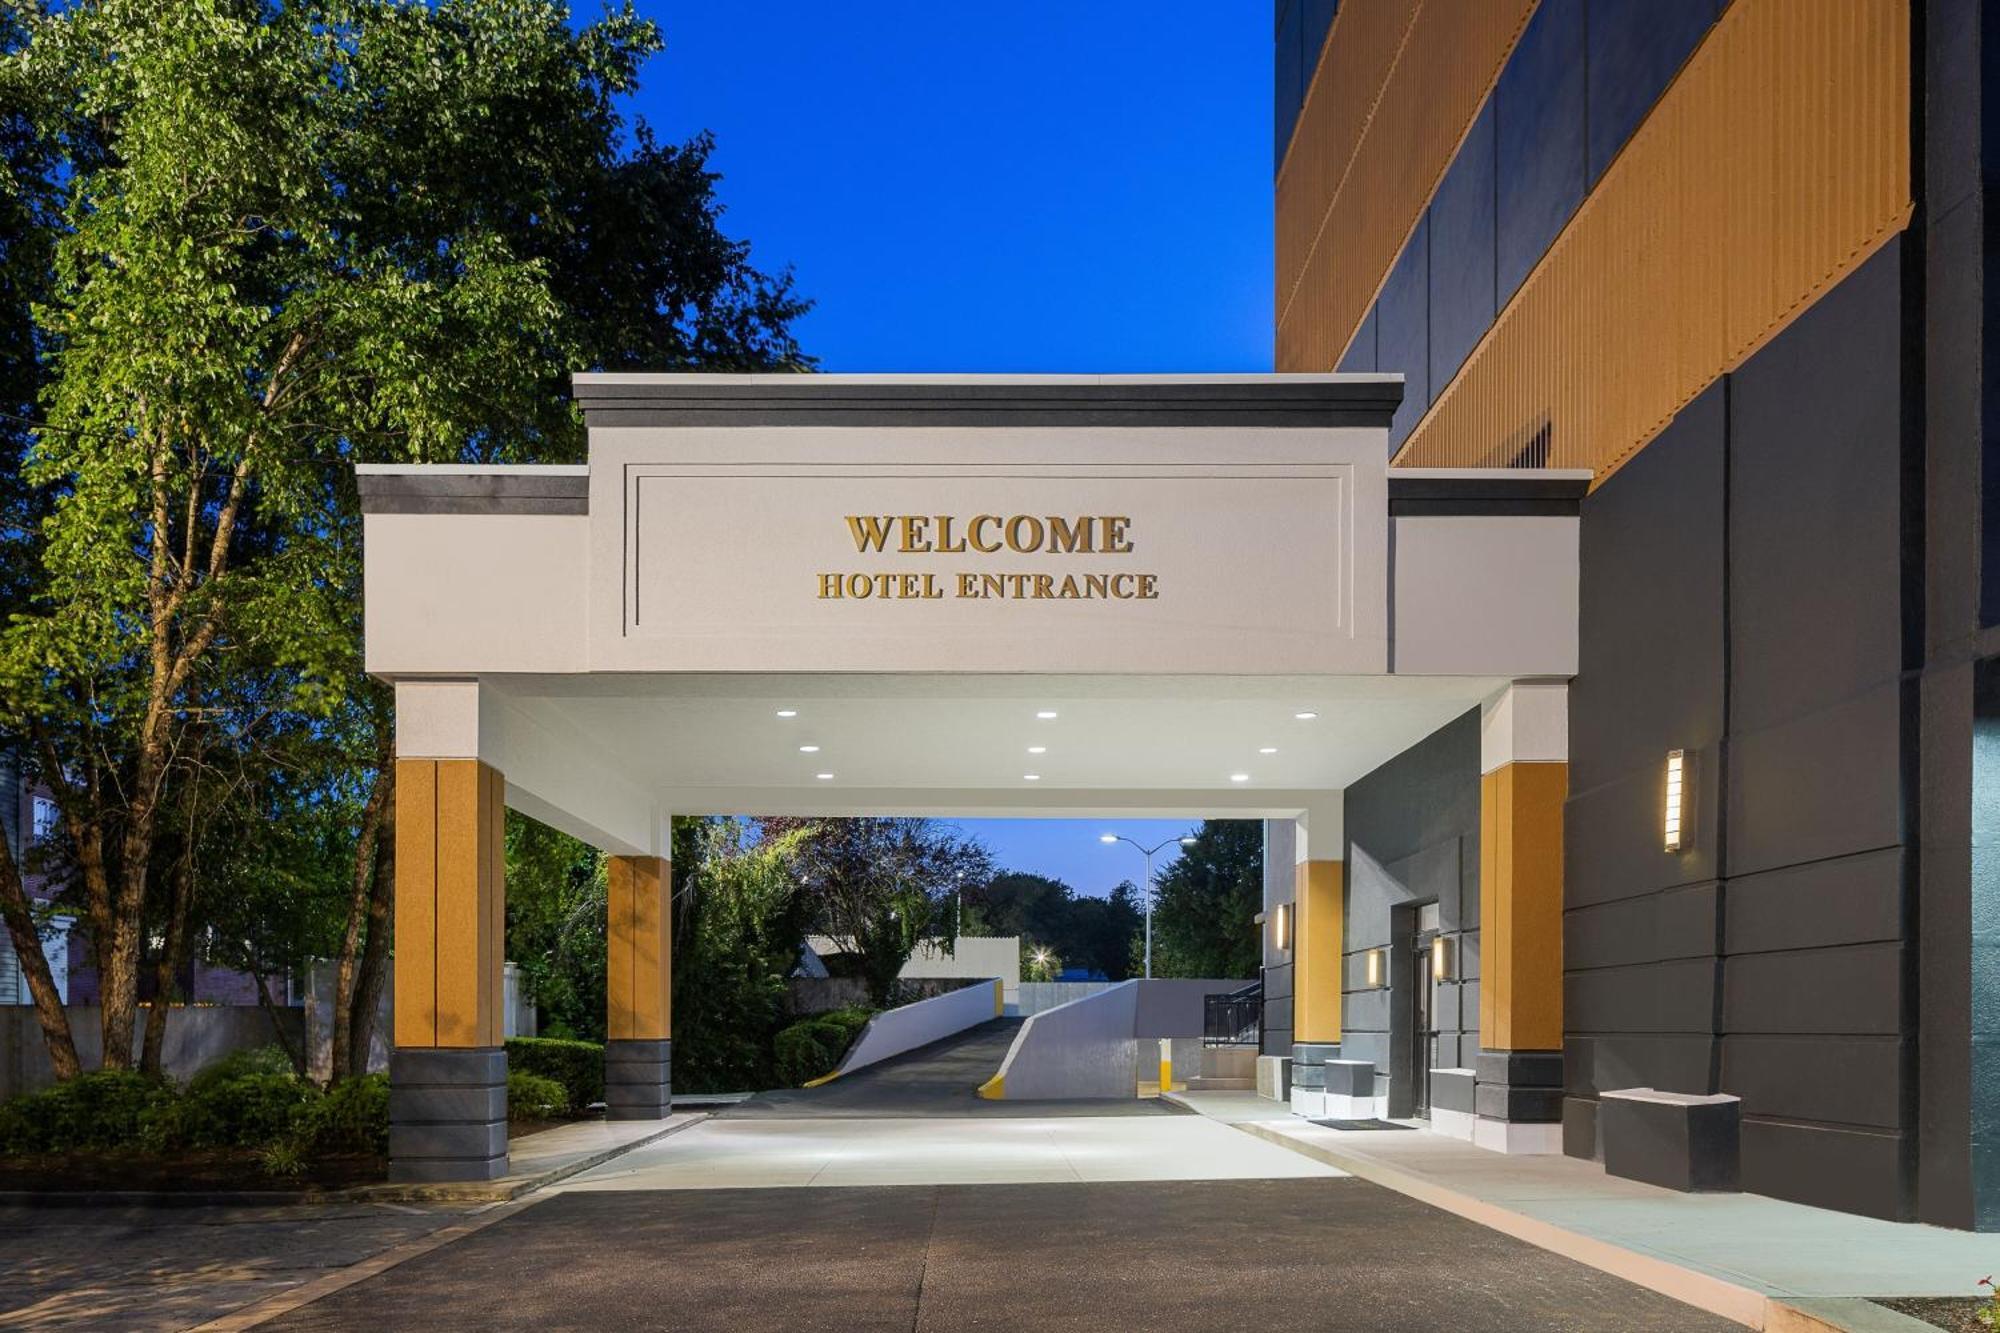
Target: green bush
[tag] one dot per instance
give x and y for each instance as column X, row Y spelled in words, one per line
column 532, row 1097
column 110, row 1109
column 577, row 1065
column 247, row 1111
column 353, row 1117
column 269, row 1059
column 812, row 1046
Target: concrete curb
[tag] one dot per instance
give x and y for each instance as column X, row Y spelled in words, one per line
column 1742, row 1305
column 473, row 1191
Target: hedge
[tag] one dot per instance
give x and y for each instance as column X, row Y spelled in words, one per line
column 120, row 1109
column 577, row 1065
column 532, row 1097
column 811, row 1047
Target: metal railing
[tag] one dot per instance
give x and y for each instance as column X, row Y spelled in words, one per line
column 1235, row 1018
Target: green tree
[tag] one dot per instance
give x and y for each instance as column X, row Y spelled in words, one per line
column 740, row 923
column 1204, row 913
column 280, row 240
column 556, row 903
column 881, row 886
column 1092, row 933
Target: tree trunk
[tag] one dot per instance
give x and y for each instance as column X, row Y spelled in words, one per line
column 293, row 1051
column 173, row 957
column 35, row 967
column 361, row 882
column 374, row 972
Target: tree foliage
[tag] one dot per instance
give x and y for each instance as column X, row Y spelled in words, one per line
column 556, row 904
column 257, row 243
column 1204, row 917
column 1081, row 931
column 881, row 886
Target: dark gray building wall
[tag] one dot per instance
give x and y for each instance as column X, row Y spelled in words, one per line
column 1280, row 887
column 1955, row 490
column 1742, row 600
column 1413, row 837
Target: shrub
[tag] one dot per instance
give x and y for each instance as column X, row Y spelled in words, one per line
column 108, row 1109
column 532, row 1097
column 353, row 1117
column 247, row 1111
column 812, row 1046
column 267, row 1059
column 577, row 1065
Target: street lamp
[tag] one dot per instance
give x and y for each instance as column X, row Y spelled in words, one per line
column 1185, row 841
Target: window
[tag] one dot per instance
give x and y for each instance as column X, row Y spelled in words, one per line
column 45, row 819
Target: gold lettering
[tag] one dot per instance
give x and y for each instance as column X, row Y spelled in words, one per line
column 1149, row 586
column 860, row 585
column 1015, row 542
column 1068, row 589
column 916, row 533
column 1114, row 533
column 984, row 547
column 869, row 531
column 931, row 589
column 944, row 541
column 1043, row 583
column 967, row 585
column 829, row 586
column 909, row 587
column 1068, row 537
column 993, row 585
column 1097, row 585
column 1121, row 586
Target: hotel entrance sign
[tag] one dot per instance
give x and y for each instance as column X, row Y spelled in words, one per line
column 1217, row 551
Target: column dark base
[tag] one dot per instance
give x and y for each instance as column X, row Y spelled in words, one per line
column 447, row 1114
column 1518, row 1101
column 638, row 1079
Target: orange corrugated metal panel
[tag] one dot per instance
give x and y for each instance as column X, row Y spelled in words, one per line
column 1774, row 165
column 1399, row 84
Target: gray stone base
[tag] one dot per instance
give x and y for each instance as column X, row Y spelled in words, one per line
column 447, row 1114
column 1519, row 1087
column 638, row 1079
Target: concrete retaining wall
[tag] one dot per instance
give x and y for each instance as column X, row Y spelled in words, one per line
column 1107, row 1042
column 1035, row 996
column 894, row 1031
column 196, row 1038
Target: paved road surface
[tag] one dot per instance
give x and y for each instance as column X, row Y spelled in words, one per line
column 1195, row 1256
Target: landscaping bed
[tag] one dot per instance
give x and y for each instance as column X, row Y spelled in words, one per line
column 1959, row 1314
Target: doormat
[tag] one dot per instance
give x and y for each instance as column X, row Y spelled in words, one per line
column 1357, row 1124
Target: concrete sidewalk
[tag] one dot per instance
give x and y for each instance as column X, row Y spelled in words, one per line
column 1728, row 1253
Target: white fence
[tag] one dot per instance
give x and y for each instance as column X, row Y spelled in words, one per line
column 197, row 1036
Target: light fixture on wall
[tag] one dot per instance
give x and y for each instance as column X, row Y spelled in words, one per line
column 1281, row 926
column 1440, row 958
column 1674, row 823
column 1378, row 968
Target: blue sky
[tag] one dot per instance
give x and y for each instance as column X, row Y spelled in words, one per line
column 1042, row 185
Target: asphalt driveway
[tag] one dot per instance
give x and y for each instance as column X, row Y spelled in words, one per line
column 1166, row 1256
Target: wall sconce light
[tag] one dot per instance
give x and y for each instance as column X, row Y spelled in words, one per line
column 1281, row 926
column 1440, row 958
column 1378, row 968
column 1674, row 821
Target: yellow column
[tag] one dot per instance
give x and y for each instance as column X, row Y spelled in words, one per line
column 1316, row 952
column 451, row 903
column 1521, row 906
column 638, row 935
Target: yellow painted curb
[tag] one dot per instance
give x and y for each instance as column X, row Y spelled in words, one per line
column 823, row 1078
column 994, row 1089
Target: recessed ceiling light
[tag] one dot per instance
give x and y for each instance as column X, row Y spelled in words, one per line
column 1047, row 714
column 1267, row 749
column 1306, row 716
column 824, row 777
column 1031, row 777
column 788, row 712
column 1239, row 777
column 808, row 749
column 1038, row 749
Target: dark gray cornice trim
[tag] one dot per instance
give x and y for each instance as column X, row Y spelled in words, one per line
column 1529, row 495
column 806, row 402
column 473, row 493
